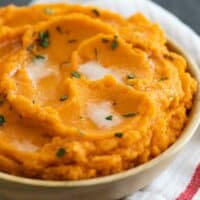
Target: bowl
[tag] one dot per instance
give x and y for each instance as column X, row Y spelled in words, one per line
column 111, row 187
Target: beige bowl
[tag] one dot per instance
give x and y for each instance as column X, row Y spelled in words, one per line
column 110, row 187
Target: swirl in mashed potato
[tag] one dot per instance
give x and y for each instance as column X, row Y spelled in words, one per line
column 85, row 92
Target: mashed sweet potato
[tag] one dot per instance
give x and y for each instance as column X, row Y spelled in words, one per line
column 86, row 93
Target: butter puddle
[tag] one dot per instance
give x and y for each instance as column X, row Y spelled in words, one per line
column 97, row 112
column 25, row 146
column 38, row 70
column 95, row 71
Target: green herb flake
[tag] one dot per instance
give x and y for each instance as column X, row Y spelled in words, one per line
column 119, row 134
column 43, row 39
column 130, row 76
column 72, row 41
column 2, row 120
column 75, row 74
column 130, row 115
column 109, row 117
column 48, row 11
column 96, row 12
column 105, row 40
column 39, row 57
column 114, row 44
column 63, row 98
column 61, row 152
column 30, row 47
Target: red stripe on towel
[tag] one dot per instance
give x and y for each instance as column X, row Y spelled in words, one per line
column 192, row 187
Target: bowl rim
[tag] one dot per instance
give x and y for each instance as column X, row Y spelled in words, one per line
column 188, row 132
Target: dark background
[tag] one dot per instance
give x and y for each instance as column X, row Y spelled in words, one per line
column 187, row 10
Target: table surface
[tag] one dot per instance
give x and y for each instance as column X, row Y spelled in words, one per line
column 187, row 10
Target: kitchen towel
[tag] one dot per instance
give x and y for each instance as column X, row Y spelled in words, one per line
column 181, row 181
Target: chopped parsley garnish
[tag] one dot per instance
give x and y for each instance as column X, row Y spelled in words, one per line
column 61, row 152
column 75, row 74
column 119, row 134
column 72, row 41
column 109, row 117
column 2, row 120
column 130, row 115
column 40, row 57
column 58, row 28
column 114, row 43
column 43, row 39
column 30, row 47
column 96, row 12
column 105, row 40
column 130, row 76
column 48, row 11
column 63, row 98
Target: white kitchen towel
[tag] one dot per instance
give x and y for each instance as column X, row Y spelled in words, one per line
column 181, row 181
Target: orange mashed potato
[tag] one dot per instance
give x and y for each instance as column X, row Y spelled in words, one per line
column 85, row 92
